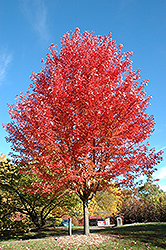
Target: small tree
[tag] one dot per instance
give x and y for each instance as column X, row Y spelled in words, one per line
column 83, row 122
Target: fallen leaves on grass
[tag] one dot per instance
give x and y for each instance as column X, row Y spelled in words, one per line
column 81, row 240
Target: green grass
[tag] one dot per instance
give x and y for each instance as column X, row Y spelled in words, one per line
column 138, row 237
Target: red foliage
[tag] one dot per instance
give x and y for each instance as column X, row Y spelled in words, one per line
column 83, row 124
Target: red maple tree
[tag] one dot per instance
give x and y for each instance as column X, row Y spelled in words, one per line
column 83, row 123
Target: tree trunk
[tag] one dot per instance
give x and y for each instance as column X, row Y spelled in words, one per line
column 86, row 218
column 70, row 226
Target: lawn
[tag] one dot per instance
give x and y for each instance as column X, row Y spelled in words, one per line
column 137, row 236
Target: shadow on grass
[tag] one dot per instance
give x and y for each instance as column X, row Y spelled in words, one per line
column 151, row 233
column 5, row 236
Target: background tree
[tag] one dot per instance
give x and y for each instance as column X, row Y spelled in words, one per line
column 20, row 199
column 146, row 204
column 73, row 209
column 10, row 219
column 83, row 122
column 154, row 200
column 106, row 203
column 132, row 208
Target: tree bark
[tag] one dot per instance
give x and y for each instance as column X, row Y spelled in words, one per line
column 70, row 226
column 86, row 218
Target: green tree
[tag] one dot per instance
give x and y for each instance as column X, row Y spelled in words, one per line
column 154, row 200
column 17, row 197
column 147, row 203
column 10, row 219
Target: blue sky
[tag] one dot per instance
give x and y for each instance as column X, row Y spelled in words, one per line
column 28, row 27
